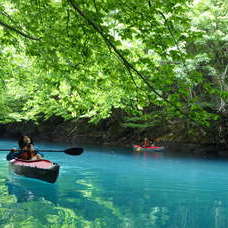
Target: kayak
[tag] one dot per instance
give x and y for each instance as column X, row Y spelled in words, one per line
column 44, row 170
column 149, row 148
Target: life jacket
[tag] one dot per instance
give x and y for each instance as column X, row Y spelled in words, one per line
column 22, row 155
column 25, row 155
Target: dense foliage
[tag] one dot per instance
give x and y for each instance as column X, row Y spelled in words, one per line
column 154, row 62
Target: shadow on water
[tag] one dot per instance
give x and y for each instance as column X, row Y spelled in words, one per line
column 181, row 151
column 172, row 150
column 26, row 189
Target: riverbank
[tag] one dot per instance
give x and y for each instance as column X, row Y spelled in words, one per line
column 110, row 133
column 73, row 132
column 107, row 132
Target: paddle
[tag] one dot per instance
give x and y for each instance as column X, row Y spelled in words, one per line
column 70, row 151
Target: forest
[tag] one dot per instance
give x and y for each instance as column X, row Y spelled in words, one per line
column 137, row 65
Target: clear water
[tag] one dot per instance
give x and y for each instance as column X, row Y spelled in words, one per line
column 113, row 187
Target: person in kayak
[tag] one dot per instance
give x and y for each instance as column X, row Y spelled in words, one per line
column 147, row 143
column 27, row 151
column 30, row 153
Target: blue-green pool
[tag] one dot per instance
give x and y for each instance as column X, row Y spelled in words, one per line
column 114, row 187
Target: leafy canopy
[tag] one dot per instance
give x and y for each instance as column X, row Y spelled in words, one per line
column 88, row 58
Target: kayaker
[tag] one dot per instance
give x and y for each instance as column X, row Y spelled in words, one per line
column 23, row 141
column 30, row 153
column 147, row 143
column 27, row 151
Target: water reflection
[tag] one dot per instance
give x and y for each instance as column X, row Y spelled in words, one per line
column 26, row 189
column 115, row 189
column 172, row 153
column 147, row 154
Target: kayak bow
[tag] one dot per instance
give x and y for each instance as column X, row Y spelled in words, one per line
column 44, row 170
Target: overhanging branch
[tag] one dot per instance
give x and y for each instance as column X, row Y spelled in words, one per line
column 126, row 63
column 9, row 27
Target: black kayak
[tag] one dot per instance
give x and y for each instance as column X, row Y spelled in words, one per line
column 44, row 170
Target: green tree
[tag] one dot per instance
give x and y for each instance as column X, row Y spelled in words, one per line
column 90, row 58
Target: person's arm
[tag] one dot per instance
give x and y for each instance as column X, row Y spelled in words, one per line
column 38, row 156
column 38, row 153
column 13, row 154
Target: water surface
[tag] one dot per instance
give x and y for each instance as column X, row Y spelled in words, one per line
column 114, row 187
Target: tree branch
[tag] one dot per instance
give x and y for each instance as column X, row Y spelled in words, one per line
column 18, row 31
column 127, row 64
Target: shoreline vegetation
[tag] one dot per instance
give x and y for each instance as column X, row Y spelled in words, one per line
column 111, row 133
column 108, row 73
column 104, row 133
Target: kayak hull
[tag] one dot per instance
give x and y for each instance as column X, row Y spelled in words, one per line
column 139, row 148
column 39, row 169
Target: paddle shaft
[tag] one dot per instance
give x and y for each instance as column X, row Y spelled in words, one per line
column 50, row 150
column 35, row 150
column 70, row 151
column 16, row 150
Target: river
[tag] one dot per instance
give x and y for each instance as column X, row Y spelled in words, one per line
column 116, row 187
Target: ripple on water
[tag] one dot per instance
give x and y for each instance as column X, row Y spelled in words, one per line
column 115, row 189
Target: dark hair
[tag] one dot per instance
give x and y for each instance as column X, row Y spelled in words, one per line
column 24, row 140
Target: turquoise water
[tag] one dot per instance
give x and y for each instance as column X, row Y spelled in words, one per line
column 114, row 187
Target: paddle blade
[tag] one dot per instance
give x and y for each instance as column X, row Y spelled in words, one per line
column 74, row 151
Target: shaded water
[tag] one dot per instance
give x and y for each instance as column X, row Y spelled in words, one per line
column 114, row 187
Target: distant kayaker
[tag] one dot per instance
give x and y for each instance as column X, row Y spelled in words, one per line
column 27, row 151
column 147, row 143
